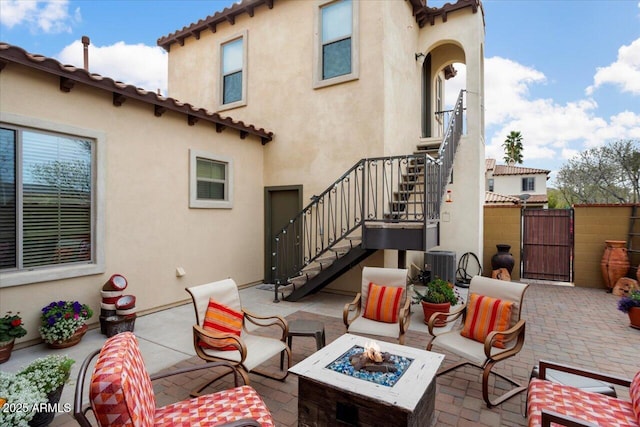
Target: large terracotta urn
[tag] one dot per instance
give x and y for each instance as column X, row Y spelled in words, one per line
column 502, row 259
column 615, row 262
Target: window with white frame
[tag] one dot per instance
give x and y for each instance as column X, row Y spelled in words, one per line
column 233, row 77
column 211, row 181
column 336, row 43
column 528, row 184
column 491, row 184
column 47, row 208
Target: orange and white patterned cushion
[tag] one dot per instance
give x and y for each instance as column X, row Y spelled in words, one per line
column 383, row 303
column 596, row 408
column 122, row 395
column 221, row 319
column 214, row 409
column 484, row 315
column 634, row 394
column 121, row 392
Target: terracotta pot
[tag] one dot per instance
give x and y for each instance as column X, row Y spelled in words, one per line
column 615, row 262
column 73, row 340
column 634, row 317
column 502, row 259
column 6, row 347
column 429, row 308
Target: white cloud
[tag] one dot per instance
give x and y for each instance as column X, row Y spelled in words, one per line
column 49, row 16
column 551, row 131
column 624, row 73
column 139, row 65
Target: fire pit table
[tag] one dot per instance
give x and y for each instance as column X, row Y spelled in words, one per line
column 331, row 390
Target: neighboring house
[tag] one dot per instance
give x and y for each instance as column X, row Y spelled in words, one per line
column 506, row 184
column 171, row 195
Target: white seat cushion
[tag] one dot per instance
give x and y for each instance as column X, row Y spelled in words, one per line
column 362, row 325
column 468, row 349
column 259, row 349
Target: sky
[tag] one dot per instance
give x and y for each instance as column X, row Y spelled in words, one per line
column 564, row 73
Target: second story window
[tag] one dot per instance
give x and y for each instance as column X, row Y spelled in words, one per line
column 336, row 39
column 528, row 184
column 337, row 44
column 490, row 184
column 233, row 78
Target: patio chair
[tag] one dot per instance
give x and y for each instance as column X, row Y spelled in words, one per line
column 382, row 306
column 221, row 331
column 121, row 393
column 491, row 331
column 549, row 401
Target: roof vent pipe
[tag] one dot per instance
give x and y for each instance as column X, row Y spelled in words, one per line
column 85, row 43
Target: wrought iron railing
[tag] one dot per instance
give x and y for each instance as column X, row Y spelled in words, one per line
column 392, row 189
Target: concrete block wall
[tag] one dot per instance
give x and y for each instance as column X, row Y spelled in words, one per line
column 501, row 226
column 593, row 225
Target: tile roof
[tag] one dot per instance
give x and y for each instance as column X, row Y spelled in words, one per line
column 495, row 198
column 70, row 75
column 489, row 164
column 517, row 170
column 421, row 11
column 501, row 199
column 228, row 14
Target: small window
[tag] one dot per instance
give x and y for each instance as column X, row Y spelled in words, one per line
column 211, row 181
column 490, row 184
column 233, row 79
column 336, row 58
column 528, row 184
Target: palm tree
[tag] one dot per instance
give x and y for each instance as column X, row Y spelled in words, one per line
column 513, row 148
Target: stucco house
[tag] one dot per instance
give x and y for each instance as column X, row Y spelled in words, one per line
column 185, row 189
column 510, row 184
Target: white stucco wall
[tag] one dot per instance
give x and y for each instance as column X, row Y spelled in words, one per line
column 150, row 229
column 512, row 184
column 320, row 133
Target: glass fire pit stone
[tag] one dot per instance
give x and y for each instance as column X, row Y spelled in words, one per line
column 343, row 365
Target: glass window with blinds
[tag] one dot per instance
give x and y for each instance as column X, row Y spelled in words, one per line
column 212, row 179
column 46, row 199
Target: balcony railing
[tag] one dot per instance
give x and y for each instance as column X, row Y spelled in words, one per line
column 391, row 189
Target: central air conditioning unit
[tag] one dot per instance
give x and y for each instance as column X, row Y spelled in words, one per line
column 442, row 265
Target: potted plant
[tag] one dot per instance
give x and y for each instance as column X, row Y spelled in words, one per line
column 631, row 305
column 438, row 296
column 48, row 375
column 18, row 392
column 10, row 329
column 63, row 323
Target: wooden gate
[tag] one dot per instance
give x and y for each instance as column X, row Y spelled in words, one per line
column 547, row 244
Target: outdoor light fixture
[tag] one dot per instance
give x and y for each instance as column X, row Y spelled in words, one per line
column 419, row 55
column 448, row 198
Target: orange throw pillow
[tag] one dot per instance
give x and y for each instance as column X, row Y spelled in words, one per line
column 485, row 315
column 221, row 319
column 383, row 303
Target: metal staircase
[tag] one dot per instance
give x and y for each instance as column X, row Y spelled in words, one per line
column 379, row 203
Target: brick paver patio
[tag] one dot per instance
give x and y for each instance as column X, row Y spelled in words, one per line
column 571, row 325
